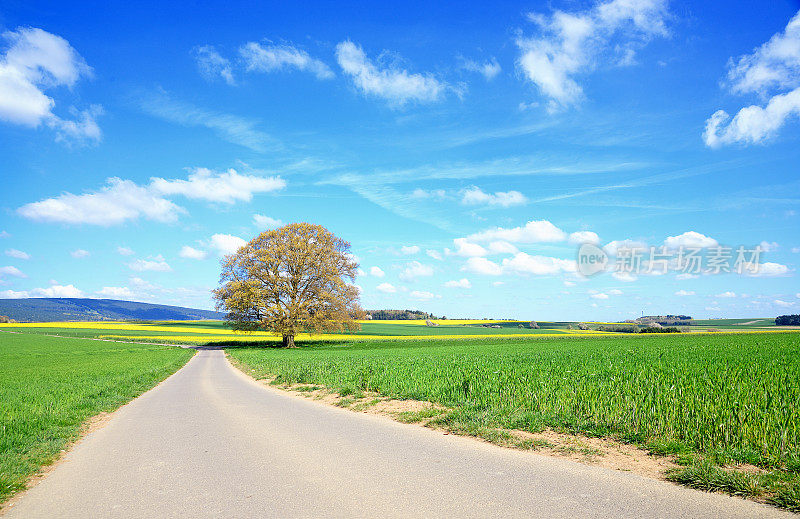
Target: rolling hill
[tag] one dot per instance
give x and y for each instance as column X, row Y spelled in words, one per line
column 80, row 309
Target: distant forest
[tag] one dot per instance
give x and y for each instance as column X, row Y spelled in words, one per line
column 787, row 320
column 400, row 314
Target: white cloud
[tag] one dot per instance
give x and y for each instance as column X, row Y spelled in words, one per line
column 613, row 247
column 475, row 196
column 80, row 253
column 115, row 292
column 435, row 254
column 502, row 247
column 626, row 277
column 11, row 271
column 122, row 200
column 118, row 201
column 684, row 293
column 212, row 65
column 192, row 253
column 599, row 296
column 395, row 85
column 615, row 292
column 690, row 239
column 468, row 249
column 125, row 251
column 13, row 294
column 498, row 283
column 438, row 194
column 5, row 234
column 376, row 272
column 772, row 67
column 154, row 263
column 18, row 254
column 226, row 187
column 34, row 62
column 271, row 58
column 776, row 63
column 461, row 283
column 768, row 269
column 415, row 269
column 535, row 231
column 386, row 288
column 581, row 237
column 523, row 263
column 784, row 304
column 727, row 294
column 227, row 243
column 422, row 295
column 752, row 124
column 489, row 69
column 266, row 222
column 767, row 246
column 56, row 291
column 570, row 44
column 483, row 266
column 409, row 250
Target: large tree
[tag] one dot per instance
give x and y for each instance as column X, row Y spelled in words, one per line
column 288, row 280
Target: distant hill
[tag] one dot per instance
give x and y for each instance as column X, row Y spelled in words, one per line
column 79, row 309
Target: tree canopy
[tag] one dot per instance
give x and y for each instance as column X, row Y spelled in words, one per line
column 288, row 280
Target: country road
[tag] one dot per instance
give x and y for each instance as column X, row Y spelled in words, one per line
column 210, row 442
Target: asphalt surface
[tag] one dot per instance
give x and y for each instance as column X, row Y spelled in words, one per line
column 210, row 442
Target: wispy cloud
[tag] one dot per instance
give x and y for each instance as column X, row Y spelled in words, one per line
column 212, row 65
column 232, row 128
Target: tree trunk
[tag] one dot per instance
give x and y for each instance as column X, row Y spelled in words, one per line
column 288, row 341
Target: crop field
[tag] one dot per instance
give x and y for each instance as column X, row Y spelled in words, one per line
column 712, row 400
column 216, row 332
column 50, row 386
column 207, row 332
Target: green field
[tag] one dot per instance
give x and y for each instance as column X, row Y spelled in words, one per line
column 50, row 386
column 712, row 400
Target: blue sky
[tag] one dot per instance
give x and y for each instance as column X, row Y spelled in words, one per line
column 466, row 151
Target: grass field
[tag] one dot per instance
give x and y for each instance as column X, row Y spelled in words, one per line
column 50, row 386
column 712, row 400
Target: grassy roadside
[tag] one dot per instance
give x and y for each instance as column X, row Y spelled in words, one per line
column 723, row 406
column 50, row 387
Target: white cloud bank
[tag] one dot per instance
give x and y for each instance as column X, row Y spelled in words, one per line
column 570, row 44
column 51, row 291
column 535, row 231
column 389, row 82
column 36, row 61
column 773, row 69
column 122, row 200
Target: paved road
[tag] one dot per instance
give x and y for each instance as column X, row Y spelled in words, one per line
column 210, row 442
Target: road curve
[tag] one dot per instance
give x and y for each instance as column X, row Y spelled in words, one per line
column 210, row 442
